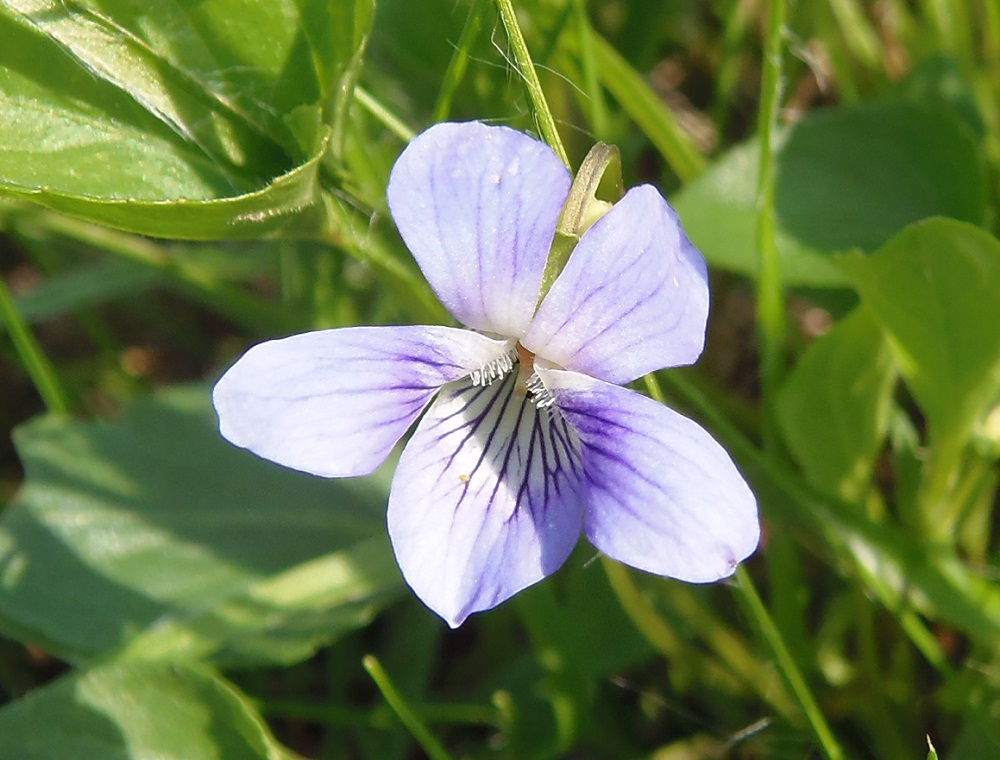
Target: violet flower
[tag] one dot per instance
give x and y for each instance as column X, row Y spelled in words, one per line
column 527, row 435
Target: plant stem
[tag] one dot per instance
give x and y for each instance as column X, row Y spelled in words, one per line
column 36, row 363
column 771, row 321
column 786, row 664
column 525, row 67
column 406, row 715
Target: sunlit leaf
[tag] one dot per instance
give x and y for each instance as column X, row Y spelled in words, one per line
column 131, row 710
column 834, row 407
column 846, row 178
column 187, row 122
column 935, row 289
column 153, row 533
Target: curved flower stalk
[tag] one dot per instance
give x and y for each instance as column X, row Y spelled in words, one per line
column 526, row 435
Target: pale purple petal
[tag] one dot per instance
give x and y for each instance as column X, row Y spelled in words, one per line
column 661, row 494
column 335, row 402
column 633, row 297
column 485, row 500
column 478, row 207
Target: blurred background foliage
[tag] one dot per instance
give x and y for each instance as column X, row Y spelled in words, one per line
column 181, row 180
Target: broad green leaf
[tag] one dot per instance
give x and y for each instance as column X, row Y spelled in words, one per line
column 718, row 211
column 99, row 41
column 939, row 79
column 132, row 710
column 846, row 178
column 834, row 407
column 153, row 533
column 935, row 290
column 290, row 203
column 189, row 122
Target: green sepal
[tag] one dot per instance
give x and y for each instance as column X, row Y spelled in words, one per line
column 596, row 188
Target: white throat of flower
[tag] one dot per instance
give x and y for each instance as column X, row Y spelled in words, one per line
column 496, row 369
column 528, row 383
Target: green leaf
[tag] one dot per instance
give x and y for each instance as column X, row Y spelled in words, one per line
column 289, row 204
column 939, row 79
column 153, row 533
column 834, row 407
column 847, row 178
column 188, row 122
column 217, row 73
column 131, row 710
column 935, row 290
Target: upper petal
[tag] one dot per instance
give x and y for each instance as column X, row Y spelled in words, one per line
column 335, row 402
column 661, row 494
column 632, row 298
column 478, row 207
column 485, row 500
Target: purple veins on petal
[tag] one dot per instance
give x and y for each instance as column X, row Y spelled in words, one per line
column 478, row 206
column 662, row 494
column 632, row 298
column 334, row 402
column 486, row 499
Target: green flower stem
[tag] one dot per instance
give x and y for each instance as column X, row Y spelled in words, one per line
column 37, row 365
column 771, row 319
column 526, row 68
column 786, row 664
column 344, row 88
column 406, row 715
